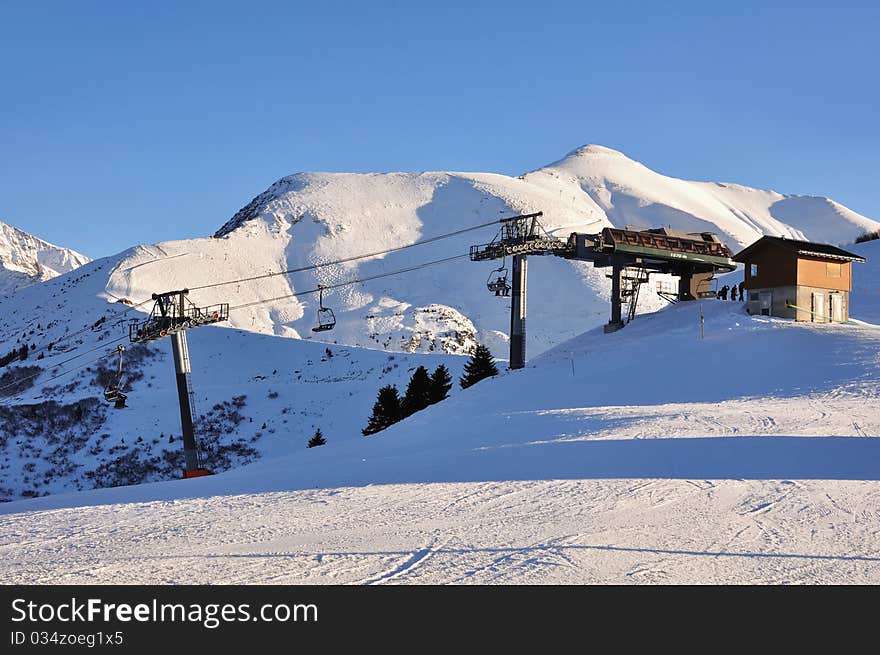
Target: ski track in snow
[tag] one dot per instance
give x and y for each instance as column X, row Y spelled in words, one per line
column 553, row 531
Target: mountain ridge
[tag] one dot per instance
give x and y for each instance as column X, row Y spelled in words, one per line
column 608, row 186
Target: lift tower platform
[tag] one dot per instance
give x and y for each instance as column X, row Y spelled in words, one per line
column 173, row 314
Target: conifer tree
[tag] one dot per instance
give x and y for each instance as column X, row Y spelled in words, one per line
column 386, row 410
column 481, row 365
column 318, row 439
column 441, row 383
column 418, row 391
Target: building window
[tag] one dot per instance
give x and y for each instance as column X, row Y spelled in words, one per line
column 753, row 270
column 754, row 295
column 832, row 269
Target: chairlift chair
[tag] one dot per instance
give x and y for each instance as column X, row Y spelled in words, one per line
column 497, row 281
column 113, row 393
column 714, row 290
column 326, row 317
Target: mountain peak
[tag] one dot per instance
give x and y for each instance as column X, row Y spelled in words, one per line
column 593, row 158
column 594, row 149
column 26, row 259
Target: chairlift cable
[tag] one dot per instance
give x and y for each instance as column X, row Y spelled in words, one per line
column 348, row 259
column 113, row 318
column 69, row 335
column 260, row 302
column 348, row 282
column 63, row 373
column 250, row 304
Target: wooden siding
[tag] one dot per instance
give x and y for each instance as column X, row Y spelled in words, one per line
column 776, row 268
column 814, row 272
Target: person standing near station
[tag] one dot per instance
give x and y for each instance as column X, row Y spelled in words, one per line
column 724, row 290
column 733, row 293
column 742, row 292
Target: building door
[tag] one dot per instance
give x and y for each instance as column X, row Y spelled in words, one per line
column 818, row 307
column 837, row 307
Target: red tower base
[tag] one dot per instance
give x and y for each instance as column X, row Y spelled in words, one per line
column 196, row 473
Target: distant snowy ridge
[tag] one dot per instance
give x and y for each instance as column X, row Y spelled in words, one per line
column 592, row 185
column 26, row 259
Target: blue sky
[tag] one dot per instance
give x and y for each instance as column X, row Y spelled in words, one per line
column 124, row 122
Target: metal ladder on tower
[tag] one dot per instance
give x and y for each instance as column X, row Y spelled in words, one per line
column 633, row 279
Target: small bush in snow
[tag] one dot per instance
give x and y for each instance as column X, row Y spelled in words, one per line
column 317, row 440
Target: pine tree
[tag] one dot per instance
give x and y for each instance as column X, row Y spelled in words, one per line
column 418, row 392
column 481, row 365
column 441, row 383
column 386, row 410
column 318, row 439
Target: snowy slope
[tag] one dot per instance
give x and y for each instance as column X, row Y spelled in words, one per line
column 693, row 461
column 865, row 295
column 258, row 395
column 26, row 260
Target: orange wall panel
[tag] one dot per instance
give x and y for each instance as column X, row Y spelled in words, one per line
column 813, row 272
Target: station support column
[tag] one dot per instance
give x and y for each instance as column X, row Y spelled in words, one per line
column 518, row 312
column 616, row 321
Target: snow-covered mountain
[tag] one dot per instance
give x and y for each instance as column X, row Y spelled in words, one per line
column 58, row 435
column 624, row 192
column 592, row 186
column 26, row 260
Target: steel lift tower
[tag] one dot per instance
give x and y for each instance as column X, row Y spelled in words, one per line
column 173, row 314
column 519, row 237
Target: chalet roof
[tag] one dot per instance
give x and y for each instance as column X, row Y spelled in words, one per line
column 807, row 248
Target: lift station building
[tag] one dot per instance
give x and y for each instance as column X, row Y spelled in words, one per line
column 798, row 279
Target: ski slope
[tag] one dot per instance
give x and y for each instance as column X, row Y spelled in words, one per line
column 728, row 459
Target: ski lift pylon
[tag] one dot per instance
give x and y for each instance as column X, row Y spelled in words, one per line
column 326, row 317
column 113, row 393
